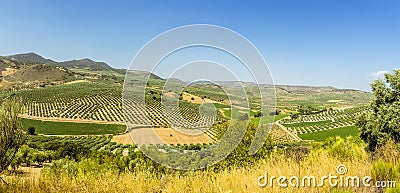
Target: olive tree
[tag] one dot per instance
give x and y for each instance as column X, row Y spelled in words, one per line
column 382, row 121
column 11, row 135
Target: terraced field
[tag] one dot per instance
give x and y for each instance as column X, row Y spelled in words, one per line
column 324, row 121
column 323, row 135
column 86, row 100
column 103, row 102
column 93, row 143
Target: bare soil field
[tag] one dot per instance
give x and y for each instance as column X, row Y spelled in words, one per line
column 123, row 139
column 168, row 136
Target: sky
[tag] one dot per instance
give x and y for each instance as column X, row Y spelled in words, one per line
column 340, row 43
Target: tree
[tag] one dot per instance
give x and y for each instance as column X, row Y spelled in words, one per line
column 11, row 135
column 244, row 117
column 31, row 130
column 382, row 121
column 258, row 114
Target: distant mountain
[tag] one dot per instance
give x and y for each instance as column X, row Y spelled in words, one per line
column 33, row 58
column 29, row 58
column 30, row 70
column 85, row 63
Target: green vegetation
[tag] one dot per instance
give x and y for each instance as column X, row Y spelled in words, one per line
column 325, row 120
column 381, row 123
column 219, row 105
column 70, row 128
column 323, row 135
column 98, row 171
column 280, row 116
column 11, row 137
column 306, row 124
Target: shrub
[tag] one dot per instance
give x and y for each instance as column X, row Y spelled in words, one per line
column 383, row 171
column 244, row 117
column 258, row 114
column 11, row 137
column 31, row 130
column 351, row 148
column 393, row 190
column 388, row 152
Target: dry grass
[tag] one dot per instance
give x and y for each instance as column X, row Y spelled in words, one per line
column 8, row 71
column 238, row 180
column 123, row 139
column 196, row 99
column 172, row 136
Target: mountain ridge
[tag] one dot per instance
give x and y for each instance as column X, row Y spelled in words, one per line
column 85, row 63
column 31, row 58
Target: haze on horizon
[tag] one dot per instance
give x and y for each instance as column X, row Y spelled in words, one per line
column 345, row 44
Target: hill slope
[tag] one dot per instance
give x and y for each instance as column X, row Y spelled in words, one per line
column 29, row 58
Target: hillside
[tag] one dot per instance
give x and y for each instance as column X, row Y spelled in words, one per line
column 29, row 58
column 86, row 63
column 89, row 64
column 31, row 70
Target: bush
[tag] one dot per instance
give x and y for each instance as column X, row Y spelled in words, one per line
column 11, row 135
column 393, row 190
column 381, row 122
column 383, row 171
column 31, row 131
column 258, row 114
column 244, row 117
column 351, row 148
column 388, row 152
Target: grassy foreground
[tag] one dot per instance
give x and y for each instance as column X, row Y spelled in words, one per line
column 237, row 180
column 91, row 176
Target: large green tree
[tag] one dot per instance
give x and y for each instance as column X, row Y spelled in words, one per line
column 382, row 121
column 11, row 135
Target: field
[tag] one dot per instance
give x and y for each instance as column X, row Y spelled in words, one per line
column 279, row 117
column 323, row 121
column 123, row 139
column 171, row 136
column 306, row 124
column 323, row 135
column 70, row 128
column 101, row 103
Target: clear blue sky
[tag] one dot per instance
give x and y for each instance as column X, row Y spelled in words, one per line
column 341, row 43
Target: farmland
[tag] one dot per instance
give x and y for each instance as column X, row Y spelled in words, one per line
column 339, row 118
column 323, row 135
column 101, row 102
column 96, row 108
column 71, row 128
